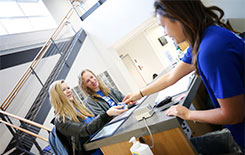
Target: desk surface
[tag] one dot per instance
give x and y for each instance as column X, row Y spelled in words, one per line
column 157, row 123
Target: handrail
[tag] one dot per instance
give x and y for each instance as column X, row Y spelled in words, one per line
column 25, row 120
column 34, row 63
column 24, row 130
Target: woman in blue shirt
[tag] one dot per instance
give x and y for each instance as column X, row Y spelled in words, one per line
column 99, row 98
column 217, row 56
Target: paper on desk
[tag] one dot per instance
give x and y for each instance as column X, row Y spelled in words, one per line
column 179, row 87
column 123, row 115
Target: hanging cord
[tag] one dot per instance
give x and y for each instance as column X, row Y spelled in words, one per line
column 152, row 140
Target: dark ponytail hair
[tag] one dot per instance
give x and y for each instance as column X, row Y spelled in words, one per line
column 194, row 17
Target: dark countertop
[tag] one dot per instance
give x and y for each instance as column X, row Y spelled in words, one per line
column 158, row 122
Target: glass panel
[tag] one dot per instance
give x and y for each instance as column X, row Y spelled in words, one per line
column 41, row 23
column 10, row 9
column 29, row 15
column 23, row 25
column 34, row 9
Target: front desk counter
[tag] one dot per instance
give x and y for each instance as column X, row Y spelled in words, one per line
column 169, row 137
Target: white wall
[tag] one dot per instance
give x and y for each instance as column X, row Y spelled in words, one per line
column 140, row 49
column 234, row 10
column 152, row 34
column 87, row 58
column 116, row 18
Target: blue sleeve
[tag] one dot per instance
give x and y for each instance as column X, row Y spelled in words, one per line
column 222, row 66
column 187, row 58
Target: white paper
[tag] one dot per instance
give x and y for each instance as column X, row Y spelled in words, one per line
column 123, row 115
column 180, row 86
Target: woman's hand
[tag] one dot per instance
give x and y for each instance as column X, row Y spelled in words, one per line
column 115, row 110
column 131, row 98
column 179, row 111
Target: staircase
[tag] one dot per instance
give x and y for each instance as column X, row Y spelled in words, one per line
column 22, row 142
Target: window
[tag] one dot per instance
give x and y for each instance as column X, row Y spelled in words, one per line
column 107, row 80
column 18, row 16
column 78, row 93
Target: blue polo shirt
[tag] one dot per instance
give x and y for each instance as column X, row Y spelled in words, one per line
column 220, row 61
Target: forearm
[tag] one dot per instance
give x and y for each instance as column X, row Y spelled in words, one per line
column 231, row 111
column 213, row 116
column 168, row 79
column 158, row 85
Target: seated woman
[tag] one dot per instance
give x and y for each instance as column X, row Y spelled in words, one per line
column 75, row 121
column 100, row 98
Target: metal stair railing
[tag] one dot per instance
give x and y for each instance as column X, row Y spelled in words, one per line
column 43, row 92
column 34, row 64
column 24, row 120
column 24, row 136
column 24, row 130
column 13, row 129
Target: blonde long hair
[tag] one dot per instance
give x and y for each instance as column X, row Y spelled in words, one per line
column 63, row 107
column 87, row 90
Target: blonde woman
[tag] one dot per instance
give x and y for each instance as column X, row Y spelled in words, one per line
column 75, row 120
column 100, row 98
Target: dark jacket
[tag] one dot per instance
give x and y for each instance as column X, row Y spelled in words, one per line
column 100, row 106
column 80, row 131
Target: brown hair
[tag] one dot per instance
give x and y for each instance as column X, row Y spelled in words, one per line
column 87, row 90
column 194, row 17
column 63, row 107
